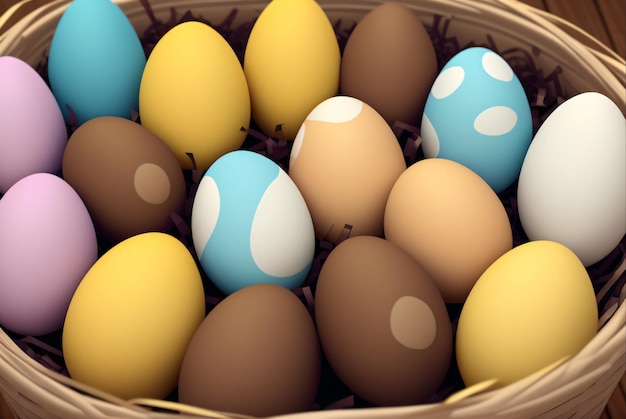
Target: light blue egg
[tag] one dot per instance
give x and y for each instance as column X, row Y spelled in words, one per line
column 251, row 225
column 96, row 61
column 477, row 114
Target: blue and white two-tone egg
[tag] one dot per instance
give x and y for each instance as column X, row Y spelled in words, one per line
column 477, row 114
column 251, row 225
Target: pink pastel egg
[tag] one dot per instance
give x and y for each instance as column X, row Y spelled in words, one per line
column 47, row 244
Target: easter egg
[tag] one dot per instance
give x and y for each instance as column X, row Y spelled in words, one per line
column 32, row 130
column 477, row 114
column 132, row 316
column 389, row 62
column 292, row 63
column 344, row 160
column 450, row 220
column 194, row 95
column 256, row 353
column 95, row 61
column 47, row 244
column 382, row 322
column 533, row 306
column 572, row 187
column 250, row 224
column 130, row 181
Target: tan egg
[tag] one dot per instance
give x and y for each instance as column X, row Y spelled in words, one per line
column 382, row 322
column 450, row 220
column 344, row 160
column 390, row 63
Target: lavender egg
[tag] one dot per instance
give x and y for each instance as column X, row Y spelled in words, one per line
column 32, row 130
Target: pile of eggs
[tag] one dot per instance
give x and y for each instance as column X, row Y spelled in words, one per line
column 86, row 219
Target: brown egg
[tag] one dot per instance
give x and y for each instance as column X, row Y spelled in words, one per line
column 382, row 322
column 256, row 353
column 129, row 180
column 450, row 220
column 344, row 160
column 389, row 62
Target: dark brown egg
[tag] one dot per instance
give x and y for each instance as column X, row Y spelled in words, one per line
column 389, row 62
column 382, row 322
column 256, row 353
column 129, row 180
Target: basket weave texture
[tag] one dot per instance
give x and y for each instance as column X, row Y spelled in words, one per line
column 575, row 387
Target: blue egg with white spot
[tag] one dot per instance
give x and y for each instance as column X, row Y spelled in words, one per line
column 251, row 225
column 478, row 115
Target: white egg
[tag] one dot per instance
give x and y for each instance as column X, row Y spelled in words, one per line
column 572, row 186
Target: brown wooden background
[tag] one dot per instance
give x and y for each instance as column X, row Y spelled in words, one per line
column 604, row 19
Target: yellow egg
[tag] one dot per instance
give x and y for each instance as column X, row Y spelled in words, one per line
column 292, row 63
column 194, row 94
column 532, row 307
column 132, row 316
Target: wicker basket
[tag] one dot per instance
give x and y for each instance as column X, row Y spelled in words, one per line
column 575, row 387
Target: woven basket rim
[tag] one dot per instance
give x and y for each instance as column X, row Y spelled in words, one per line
column 595, row 370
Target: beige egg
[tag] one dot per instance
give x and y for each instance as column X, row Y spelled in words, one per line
column 345, row 159
column 450, row 220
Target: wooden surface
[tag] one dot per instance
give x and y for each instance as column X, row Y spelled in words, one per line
column 605, row 20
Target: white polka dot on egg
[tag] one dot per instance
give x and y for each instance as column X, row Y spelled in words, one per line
column 497, row 67
column 494, row 121
column 152, row 183
column 297, row 145
column 448, row 82
column 276, row 230
column 204, row 226
column 341, row 109
column 430, row 139
column 406, row 314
